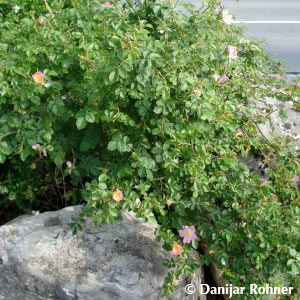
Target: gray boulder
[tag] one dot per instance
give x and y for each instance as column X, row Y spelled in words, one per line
column 40, row 259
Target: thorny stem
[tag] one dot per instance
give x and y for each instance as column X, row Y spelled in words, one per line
column 48, row 8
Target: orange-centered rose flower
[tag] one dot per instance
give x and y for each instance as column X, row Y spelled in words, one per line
column 38, row 77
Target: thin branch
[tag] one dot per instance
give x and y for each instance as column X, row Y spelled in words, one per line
column 117, row 7
column 58, row 188
column 129, row 3
column 48, row 8
column 158, row 179
column 269, row 142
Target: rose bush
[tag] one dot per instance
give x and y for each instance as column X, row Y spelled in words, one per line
column 145, row 108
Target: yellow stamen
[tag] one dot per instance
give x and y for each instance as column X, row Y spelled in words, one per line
column 38, row 77
column 187, row 233
column 176, row 248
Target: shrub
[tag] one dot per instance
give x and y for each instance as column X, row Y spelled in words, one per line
column 147, row 109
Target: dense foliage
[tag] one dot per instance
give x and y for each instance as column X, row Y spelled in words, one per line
column 144, row 100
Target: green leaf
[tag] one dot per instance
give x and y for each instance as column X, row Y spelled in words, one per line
column 165, row 93
column 157, row 109
column 180, row 210
column 292, row 252
column 2, row 158
column 114, row 212
column 102, row 178
column 228, row 236
column 131, row 58
column 35, row 100
column 5, row 148
column 110, row 219
column 160, row 103
column 102, row 186
column 295, row 268
column 81, row 123
column 112, row 146
column 153, row 219
column 290, row 262
column 142, row 111
column 156, row 9
column 52, row 73
column 195, row 244
column 90, row 117
column 25, row 153
column 47, row 137
column 122, row 72
column 58, row 158
column 84, row 146
column 113, row 76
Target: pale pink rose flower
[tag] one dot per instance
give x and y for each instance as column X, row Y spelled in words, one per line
column 227, row 18
column 162, row 31
column 176, row 249
column 277, row 76
column 216, row 77
column 298, row 85
column 107, row 4
column 296, row 180
column 41, row 20
column 36, row 146
column 45, row 152
column 232, row 51
column 48, row 84
column 69, row 166
column 118, row 195
column 188, row 234
column 239, row 133
column 223, row 79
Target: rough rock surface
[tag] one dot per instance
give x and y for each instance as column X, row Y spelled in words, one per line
column 40, row 259
column 289, row 128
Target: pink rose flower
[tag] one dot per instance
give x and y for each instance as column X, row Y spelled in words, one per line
column 176, row 249
column 162, row 31
column 69, row 166
column 45, row 152
column 277, row 76
column 38, row 77
column 232, row 51
column 239, row 133
column 216, row 77
column 296, row 180
column 227, row 18
column 48, row 84
column 223, row 79
column 41, row 20
column 188, row 234
column 107, row 4
column 39, row 148
column 118, row 195
column 298, row 85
